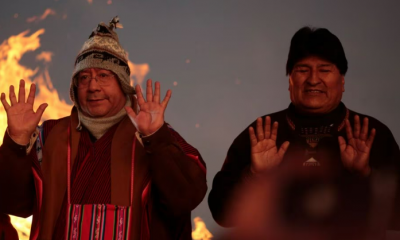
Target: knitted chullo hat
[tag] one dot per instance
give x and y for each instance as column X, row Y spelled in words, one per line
column 102, row 50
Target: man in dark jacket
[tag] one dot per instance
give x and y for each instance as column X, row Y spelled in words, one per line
column 329, row 173
column 107, row 171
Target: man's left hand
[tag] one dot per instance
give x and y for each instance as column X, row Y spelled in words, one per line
column 150, row 117
column 355, row 153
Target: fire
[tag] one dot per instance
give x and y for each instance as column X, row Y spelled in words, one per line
column 11, row 71
column 11, row 52
column 45, row 56
column 23, row 226
column 200, row 232
column 45, row 14
column 138, row 72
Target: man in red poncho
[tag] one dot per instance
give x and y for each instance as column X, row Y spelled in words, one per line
column 107, row 171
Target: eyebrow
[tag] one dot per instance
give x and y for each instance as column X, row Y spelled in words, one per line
column 103, row 70
column 320, row 65
column 326, row 65
column 99, row 70
column 302, row 65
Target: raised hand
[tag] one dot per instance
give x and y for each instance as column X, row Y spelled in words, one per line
column 355, row 153
column 264, row 153
column 21, row 119
column 150, row 117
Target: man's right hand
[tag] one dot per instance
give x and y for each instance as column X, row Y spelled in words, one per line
column 264, row 153
column 21, row 119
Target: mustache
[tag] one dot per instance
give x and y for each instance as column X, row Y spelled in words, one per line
column 95, row 97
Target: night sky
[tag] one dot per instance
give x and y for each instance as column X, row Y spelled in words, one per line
column 227, row 57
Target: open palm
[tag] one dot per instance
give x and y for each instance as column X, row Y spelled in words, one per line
column 21, row 119
column 264, row 152
column 355, row 153
column 150, row 117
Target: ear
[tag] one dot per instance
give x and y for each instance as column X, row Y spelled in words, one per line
column 343, row 83
column 290, row 82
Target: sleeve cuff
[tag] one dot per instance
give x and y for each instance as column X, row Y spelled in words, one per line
column 158, row 140
column 28, row 147
column 8, row 142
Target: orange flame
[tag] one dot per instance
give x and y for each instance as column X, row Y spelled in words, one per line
column 46, row 13
column 200, row 232
column 23, row 226
column 138, row 72
column 45, row 56
column 11, row 52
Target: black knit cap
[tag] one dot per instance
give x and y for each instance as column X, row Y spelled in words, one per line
column 317, row 42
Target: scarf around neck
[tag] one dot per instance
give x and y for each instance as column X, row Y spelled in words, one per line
column 99, row 126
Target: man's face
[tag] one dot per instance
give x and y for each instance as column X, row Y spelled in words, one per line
column 99, row 99
column 315, row 86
